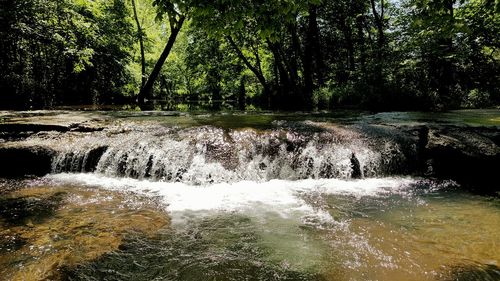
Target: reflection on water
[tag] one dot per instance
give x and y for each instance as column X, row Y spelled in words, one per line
column 254, row 119
column 375, row 229
column 237, row 196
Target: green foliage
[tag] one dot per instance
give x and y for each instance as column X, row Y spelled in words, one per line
column 63, row 52
column 279, row 54
column 442, row 49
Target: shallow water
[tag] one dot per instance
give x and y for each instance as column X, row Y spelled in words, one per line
column 262, row 120
column 46, row 227
column 372, row 229
column 235, row 196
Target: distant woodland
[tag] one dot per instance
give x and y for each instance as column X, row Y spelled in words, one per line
column 252, row 54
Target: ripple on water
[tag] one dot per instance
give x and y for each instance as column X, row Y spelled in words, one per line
column 218, row 248
column 46, row 228
column 373, row 229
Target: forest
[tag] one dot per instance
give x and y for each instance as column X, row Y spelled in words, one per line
column 253, row 54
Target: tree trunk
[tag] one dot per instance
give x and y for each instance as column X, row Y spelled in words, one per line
column 284, row 80
column 361, row 44
column 141, row 45
column 242, row 94
column 308, row 53
column 293, row 61
column 379, row 22
column 312, row 56
column 255, row 69
column 148, row 87
column 446, row 79
column 349, row 44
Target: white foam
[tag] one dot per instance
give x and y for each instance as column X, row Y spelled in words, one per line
column 278, row 209
column 278, row 195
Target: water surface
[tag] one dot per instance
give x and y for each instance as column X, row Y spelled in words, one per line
column 372, row 229
column 241, row 196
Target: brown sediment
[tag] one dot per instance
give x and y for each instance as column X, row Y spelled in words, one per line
column 85, row 225
column 433, row 241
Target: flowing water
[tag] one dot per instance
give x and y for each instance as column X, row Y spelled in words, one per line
column 195, row 198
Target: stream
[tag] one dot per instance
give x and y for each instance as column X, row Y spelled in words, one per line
column 274, row 196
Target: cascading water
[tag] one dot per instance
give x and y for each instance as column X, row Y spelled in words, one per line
column 213, row 155
column 296, row 200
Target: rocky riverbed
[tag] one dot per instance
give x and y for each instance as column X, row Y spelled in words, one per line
column 287, row 146
column 177, row 196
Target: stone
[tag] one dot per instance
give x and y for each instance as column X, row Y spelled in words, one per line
column 356, row 167
column 463, row 154
column 17, row 161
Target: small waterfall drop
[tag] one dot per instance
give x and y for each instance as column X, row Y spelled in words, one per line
column 202, row 155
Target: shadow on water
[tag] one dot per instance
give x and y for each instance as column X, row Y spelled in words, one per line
column 486, row 272
column 7, row 186
column 11, row 244
column 45, row 228
column 221, row 248
column 29, row 209
column 267, row 120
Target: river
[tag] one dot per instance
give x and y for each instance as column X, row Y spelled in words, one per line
column 177, row 196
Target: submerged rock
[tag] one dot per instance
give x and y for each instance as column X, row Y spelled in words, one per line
column 486, row 272
column 60, row 227
column 25, row 210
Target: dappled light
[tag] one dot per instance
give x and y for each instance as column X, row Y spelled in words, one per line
column 257, row 140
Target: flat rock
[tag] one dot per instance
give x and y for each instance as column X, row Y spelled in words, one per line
column 60, row 121
column 19, row 160
column 469, row 155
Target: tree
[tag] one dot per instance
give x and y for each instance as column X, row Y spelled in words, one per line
column 63, row 52
column 140, row 36
column 176, row 13
column 280, row 54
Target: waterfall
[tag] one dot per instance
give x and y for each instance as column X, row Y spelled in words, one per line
column 207, row 154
